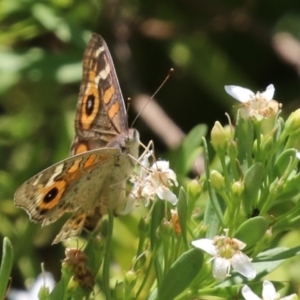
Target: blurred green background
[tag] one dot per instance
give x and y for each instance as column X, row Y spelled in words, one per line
column 249, row 43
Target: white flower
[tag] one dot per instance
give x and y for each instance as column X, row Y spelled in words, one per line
column 154, row 181
column 268, row 293
column 226, row 254
column 259, row 105
column 44, row 279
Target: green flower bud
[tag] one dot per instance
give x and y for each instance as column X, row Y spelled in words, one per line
column 219, row 138
column 43, row 293
column 165, row 230
column 130, row 278
column 292, row 124
column 194, row 188
column 75, row 291
column 118, row 291
column 129, row 283
column 144, row 226
column 237, row 189
column 200, row 231
column 66, row 271
column 217, row 180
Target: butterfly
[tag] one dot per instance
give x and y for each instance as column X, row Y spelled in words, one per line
column 103, row 155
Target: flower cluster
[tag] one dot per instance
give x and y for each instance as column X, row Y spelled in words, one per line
column 154, row 181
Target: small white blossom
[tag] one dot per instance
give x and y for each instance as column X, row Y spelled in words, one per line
column 154, row 181
column 268, row 293
column 227, row 253
column 259, row 105
column 43, row 280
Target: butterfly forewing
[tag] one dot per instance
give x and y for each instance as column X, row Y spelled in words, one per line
column 101, row 114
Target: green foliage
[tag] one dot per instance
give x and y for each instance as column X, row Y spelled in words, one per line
column 6, row 267
column 256, row 172
column 181, row 274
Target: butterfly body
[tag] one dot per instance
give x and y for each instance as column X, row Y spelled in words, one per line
column 103, row 154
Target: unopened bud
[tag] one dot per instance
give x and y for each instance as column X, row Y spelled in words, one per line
column 194, row 188
column 292, row 124
column 217, row 180
column 237, row 189
column 219, row 138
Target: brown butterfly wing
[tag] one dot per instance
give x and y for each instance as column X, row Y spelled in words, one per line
column 101, row 113
column 82, row 178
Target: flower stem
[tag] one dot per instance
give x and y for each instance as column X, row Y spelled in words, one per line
column 107, row 256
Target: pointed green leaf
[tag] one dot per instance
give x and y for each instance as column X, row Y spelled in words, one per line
column 157, row 216
column 252, row 182
column 252, row 230
column 181, row 274
column 6, row 266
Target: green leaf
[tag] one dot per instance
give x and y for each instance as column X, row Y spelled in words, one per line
column 252, row 230
column 94, row 250
column 278, row 253
column 213, row 208
column 226, row 292
column 6, row 266
column 252, row 182
column 157, row 216
column 244, row 128
column 58, row 292
column 49, row 18
column 290, row 189
column 184, row 157
column 181, row 274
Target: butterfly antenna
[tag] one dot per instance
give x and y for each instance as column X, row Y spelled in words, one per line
column 171, row 71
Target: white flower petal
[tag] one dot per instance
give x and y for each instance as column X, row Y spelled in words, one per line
column 248, row 294
column 241, row 263
column 269, row 291
column 239, row 243
column 172, row 176
column 221, row 268
column 269, row 92
column 45, row 279
column 166, row 194
column 290, row 297
column 239, row 93
column 205, row 245
column 160, row 165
